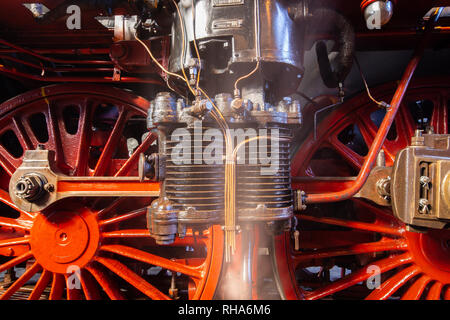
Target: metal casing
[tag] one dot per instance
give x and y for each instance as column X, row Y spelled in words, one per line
column 418, row 201
column 233, row 20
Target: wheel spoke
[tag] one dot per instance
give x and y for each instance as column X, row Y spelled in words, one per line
column 73, row 293
column 89, row 287
column 7, row 161
column 348, row 154
column 391, row 285
column 382, row 216
column 23, row 137
column 320, row 239
column 435, row 291
column 152, row 260
column 368, row 130
column 124, row 217
column 358, row 276
column 15, row 223
column 111, row 144
column 57, row 288
column 439, row 119
column 406, row 124
column 371, row 247
column 106, row 283
column 13, row 242
column 447, row 293
column 55, row 135
column 6, row 199
column 132, row 278
column 84, row 133
column 405, row 128
column 416, row 290
column 111, row 207
column 21, row 281
column 128, row 165
column 40, row 286
column 354, row 225
column 15, row 261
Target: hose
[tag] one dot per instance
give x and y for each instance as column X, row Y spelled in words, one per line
column 345, row 43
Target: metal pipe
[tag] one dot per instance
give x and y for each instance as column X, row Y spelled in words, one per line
column 247, row 262
column 345, row 43
column 58, row 69
column 384, row 127
column 21, row 75
column 34, row 54
column 75, row 52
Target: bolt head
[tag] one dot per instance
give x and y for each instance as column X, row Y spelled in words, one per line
column 30, row 187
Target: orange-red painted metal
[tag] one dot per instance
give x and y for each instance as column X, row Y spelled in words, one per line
column 93, row 243
column 341, row 244
column 383, row 129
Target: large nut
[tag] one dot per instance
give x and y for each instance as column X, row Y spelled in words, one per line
column 30, row 187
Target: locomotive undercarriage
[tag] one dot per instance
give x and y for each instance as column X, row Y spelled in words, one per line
column 220, row 179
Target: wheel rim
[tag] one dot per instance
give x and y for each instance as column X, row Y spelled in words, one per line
column 101, row 244
column 344, row 245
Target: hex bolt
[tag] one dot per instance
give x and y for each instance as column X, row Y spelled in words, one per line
column 381, row 159
column 425, row 182
column 384, row 187
column 418, row 140
column 424, row 206
column 49, row 187
column 301, row 201
column 237, row 105
column 30, row 187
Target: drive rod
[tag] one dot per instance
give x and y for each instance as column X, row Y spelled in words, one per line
column 385, row 125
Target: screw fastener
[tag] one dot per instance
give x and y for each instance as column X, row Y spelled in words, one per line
column 424, row 206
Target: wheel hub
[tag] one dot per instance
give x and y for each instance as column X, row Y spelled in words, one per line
column 431, row 252
column 64, row 239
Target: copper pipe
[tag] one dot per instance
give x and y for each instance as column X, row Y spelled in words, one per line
column 384, row 127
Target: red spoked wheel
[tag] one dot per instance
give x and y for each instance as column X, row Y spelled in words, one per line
column 356, row 249
column 91, row 248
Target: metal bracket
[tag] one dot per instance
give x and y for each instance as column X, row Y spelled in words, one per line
column 37, row 175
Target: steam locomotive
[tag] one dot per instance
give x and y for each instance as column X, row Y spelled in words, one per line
column 225, row 149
